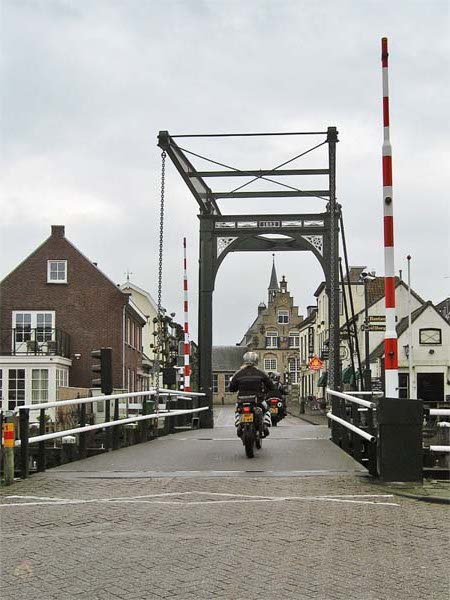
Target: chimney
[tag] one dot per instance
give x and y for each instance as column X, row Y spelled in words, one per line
column 261, row 307
column 400, row 274
column 309, row 310
column 58, row 230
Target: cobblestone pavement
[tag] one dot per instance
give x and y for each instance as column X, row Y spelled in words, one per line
column 322, row 536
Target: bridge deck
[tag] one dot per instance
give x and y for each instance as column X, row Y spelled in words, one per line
column 156, row 522
column 293, row 448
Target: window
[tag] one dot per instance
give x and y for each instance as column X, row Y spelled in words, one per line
column 228, row 376
column 294, row 369
column 430, row 337
column 294, row 339
column 44, row 326
column 272, row 339
column 57, row 271
column 270, row 364
column 22, row 325
column 62, row 378
column 39, row 385
column 215, row 383
column 283, row 317
column 31, row 329
column 16, row 388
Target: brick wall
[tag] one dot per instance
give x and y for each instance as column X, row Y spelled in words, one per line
column 89, row 307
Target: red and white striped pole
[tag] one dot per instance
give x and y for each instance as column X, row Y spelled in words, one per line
column 187, row 367
column 390, row 338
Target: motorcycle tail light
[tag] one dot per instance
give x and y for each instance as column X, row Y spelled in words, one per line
column 274, row 400
column 246, row 409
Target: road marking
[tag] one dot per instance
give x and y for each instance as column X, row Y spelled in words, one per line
column 225, row 498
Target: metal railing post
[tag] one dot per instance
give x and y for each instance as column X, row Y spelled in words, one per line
column 82, row 450
column 41, row 461
column 116, row 431
column 24, row 424
column 108, row 430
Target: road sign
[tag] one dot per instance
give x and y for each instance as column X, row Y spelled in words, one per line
column 373, row 327
column 315, row 364
column 377, row 318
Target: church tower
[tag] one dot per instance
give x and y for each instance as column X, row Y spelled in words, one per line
column 273, row 285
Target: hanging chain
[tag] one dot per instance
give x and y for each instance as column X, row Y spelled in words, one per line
column 160, row 270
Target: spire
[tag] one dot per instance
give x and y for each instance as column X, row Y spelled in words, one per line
column 273, row 285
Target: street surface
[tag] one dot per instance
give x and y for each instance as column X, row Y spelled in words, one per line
column 189, row 516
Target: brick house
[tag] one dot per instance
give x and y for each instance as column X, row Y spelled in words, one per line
column 55, row 307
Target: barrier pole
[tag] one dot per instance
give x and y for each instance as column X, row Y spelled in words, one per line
column 8, row 448
column 24, row 424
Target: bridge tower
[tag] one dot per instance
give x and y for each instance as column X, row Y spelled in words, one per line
column 220, row 234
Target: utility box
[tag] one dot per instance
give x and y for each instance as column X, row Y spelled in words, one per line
column 399, row 448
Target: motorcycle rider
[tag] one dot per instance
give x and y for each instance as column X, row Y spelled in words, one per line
column 250, row 381
column 280, row 391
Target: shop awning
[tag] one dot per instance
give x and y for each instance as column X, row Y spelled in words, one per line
column 323, row 379
column 347, row 376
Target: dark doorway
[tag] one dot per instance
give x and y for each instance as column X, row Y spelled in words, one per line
column 430, row 387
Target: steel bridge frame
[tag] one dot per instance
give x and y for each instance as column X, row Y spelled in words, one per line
column 221, row 234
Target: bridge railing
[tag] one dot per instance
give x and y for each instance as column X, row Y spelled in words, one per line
column 354, row 426
column 151, row 413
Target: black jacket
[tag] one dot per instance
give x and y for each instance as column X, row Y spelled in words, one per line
column 249, row 381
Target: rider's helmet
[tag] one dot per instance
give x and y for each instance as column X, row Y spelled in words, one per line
column 250, row 358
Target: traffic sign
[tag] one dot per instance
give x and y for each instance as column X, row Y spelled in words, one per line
column 373, row 327
column 377, row 318
column 315, row 364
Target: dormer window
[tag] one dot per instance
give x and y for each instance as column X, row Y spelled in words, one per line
column 283, row 317
column 57, row 271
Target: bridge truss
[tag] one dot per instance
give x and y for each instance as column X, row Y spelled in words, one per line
column 221, row 234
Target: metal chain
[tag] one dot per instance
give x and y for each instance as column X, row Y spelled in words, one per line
column 160, row 271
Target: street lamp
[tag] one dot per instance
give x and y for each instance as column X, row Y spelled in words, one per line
column 365, row 277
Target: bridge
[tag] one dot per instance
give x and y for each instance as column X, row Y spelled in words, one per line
column 187, row 515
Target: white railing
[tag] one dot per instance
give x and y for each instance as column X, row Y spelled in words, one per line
column 439, row 412
column 158, row 415
column 100, row 398
column 367, row 436
column 351, row 398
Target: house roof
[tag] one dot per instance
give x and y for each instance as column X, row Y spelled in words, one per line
column 58, row 231
column 136, row 288
column 401, row 327
column 227, row 358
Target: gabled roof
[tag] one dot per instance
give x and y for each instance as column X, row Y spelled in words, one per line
column 227, row 358
column 58, row 232
column 133, row 286
column 402, row 326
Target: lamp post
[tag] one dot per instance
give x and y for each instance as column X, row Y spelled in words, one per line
column 366, row 277
column 410, row 344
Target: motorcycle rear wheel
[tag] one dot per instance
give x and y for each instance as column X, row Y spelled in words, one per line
column 248, row 443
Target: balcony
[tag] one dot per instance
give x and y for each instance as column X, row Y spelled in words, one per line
column 41, row 341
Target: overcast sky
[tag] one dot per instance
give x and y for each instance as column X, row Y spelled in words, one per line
column 87, row 84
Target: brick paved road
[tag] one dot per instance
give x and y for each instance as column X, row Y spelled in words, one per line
column 323, row 536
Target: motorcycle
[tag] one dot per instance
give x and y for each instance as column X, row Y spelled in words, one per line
column 250, row 423
column 277, row 410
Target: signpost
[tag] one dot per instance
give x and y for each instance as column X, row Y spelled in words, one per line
column 374, row 327
column 315, row 364
column 377, row 318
